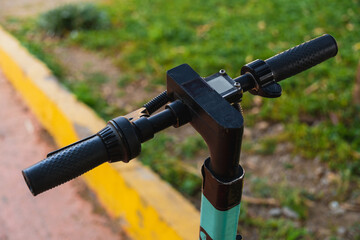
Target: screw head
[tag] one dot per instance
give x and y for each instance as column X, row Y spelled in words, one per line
column 237, row 85
column 222, row 71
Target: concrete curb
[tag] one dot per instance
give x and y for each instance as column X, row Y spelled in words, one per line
column 150, row 207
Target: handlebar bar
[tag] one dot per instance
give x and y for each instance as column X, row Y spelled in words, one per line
column 118, row 141
column 284, row 65
column 121, row 139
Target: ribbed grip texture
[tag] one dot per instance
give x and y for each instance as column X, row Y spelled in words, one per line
column 302, row 57
column 65, row 165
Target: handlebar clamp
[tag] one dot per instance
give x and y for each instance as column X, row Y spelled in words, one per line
column 266, row 85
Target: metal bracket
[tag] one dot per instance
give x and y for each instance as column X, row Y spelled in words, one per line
column 135, row 115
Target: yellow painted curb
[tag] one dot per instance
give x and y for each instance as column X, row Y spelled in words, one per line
column 150, row 207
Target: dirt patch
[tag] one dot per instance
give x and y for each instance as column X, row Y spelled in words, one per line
column 327, row 197
column 80, row 63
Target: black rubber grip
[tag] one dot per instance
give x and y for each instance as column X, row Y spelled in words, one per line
column 302, row 57
column 65, row 164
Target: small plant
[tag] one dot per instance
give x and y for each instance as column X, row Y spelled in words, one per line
column 73, row 17
column 273, row 228
column 281, row 229
column 290, row 197
column 261, row 187
column 293, row 198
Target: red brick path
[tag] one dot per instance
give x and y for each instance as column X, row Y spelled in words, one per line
column 57, row 214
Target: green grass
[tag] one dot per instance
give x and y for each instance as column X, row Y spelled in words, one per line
column 149, row 37
column 291, row 197
column 88, row 91
column 164, row 156
column 265, row 146
column 280, row 229
column 146, row 38
column 24, row 32
column 272, row 228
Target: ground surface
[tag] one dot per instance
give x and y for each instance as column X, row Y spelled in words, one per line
column 62, row 213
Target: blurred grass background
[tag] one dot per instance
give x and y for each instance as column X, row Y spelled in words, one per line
column 146, row 38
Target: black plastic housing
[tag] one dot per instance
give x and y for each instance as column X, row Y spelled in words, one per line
column 220, row 124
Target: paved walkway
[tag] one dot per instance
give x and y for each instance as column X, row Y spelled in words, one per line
column 57, row 214
column 26, row 8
